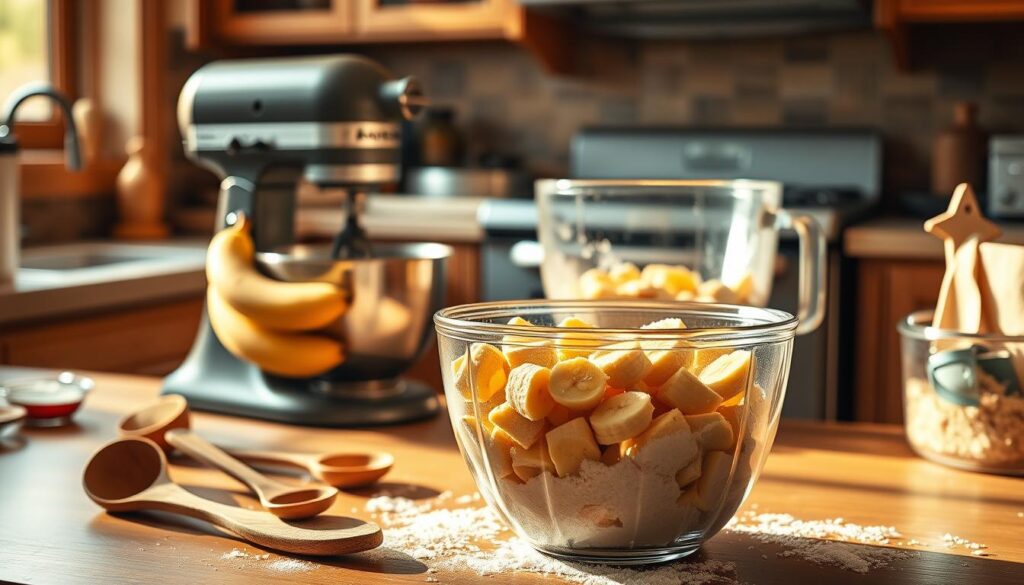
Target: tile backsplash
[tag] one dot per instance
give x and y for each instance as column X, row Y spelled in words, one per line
column 505, row 102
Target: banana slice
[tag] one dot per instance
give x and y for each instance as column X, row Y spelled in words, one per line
column 527, row 391
column 690, row 473
column 572, row 345
column 713, row 432
column 622, row 417
column 293, row 355
column 498, row 446
column 560, row 415
column 541, row 353
column 733, row 414
column 624, row 363
column 666, row 323
column 529, row 463
column 486, row 372
column 702, row 357
column 638, row 289
column 671, row 423
column 715, row 291
column 728, row 375
column 520, row 322
column 520, row 429
column 624, row 272
column 577, row 383
column 687, row 393
column 685, row 295
column 570, row 444
column 596, row 284
column 714, row 478
column 744, row 288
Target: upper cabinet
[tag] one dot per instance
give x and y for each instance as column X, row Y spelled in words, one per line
column 255, row 23
column 916, row 28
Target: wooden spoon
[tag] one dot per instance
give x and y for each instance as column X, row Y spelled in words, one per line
column 281, row 499
column 130, row 474
column 337, row 469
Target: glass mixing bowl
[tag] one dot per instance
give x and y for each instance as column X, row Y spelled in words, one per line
column 709, row 240
column 963, row 396
column 603, row 440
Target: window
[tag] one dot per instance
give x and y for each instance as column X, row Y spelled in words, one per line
column 36, row 45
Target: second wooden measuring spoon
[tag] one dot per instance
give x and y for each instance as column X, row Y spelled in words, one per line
column 281, row 499
column 337, row 469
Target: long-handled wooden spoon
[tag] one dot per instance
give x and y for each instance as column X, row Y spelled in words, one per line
column 281, row 499
column 337, row 469
column 130, row 474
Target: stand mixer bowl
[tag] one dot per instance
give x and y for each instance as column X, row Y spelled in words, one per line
column 391, row 299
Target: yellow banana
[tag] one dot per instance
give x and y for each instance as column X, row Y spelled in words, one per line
column 287, row 306
column 285, row 354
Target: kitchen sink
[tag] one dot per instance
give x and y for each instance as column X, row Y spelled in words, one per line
column 101, row 261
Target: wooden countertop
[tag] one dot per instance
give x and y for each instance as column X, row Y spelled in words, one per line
column 51, row 533
column 902, row 238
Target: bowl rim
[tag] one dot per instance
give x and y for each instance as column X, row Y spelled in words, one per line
column 458, row 322
column 561, row 186
column 911, row 326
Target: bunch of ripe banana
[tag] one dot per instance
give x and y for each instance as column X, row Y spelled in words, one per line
column 266, row 321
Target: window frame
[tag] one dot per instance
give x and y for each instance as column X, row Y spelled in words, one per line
column 62, row 41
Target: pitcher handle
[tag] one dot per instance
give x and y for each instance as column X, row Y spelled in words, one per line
column 813, row 251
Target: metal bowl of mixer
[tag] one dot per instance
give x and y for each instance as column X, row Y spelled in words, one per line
column 391, row 299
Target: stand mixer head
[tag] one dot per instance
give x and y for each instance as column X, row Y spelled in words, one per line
column 335, row 122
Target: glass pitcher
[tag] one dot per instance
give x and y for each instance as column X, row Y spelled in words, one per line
column 724, row 233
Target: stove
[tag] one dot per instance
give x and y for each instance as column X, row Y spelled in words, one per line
column 832, row 175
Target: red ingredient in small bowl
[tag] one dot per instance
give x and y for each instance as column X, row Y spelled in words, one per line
column 44, row 399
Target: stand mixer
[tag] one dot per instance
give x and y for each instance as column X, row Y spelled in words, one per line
column 261, row 124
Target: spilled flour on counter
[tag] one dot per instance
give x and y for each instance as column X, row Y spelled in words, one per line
column 281, row 565
column 450, row 538
column 833, row 542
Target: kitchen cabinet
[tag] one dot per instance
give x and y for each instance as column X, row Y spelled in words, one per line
column 259, row 23
column 924, row 24
column 887, row 291
column 149, row 339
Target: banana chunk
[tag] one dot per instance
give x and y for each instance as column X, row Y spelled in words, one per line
column 729, row 374
column 596, row 284
column 670, row 423
column 577, row 383
column 575, row 344
column 520, row 429
column 714, row 477
column 293, row 355
column 529, row 463
column 570, row 444
column 486, row 372
column 713, row 432
column 498, row 447
column 690, row 473
column 733, row 414
column 687, row 393
column 622, row 417
column 527, row 391
column 541, row 353
column 715, row 291
column 666, row 323
column 624, row 272
column 624, row 363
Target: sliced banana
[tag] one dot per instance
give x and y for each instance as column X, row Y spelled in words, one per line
column 624, row 363
column 486, row 372
column 715, row 291
column 666, row 323
column 733, row 414
column 576, row 344
column 560, row 415
column 690, row 473
column 713, row 432
column 687, row 393
column 702, row 357
column 498, row 446
column 638, row 289
column 527, row 391
column 622, row 417
column 570, row 444
column 714, row 477
column 577, row 384
column 541, row 353
column 744, row 288
column 728, row 375
column 670, row 423
column 596, row 284
column 520, row 429
column 624, row 272
column 529, row 463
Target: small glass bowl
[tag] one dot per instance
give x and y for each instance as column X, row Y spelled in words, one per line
column 626, row 506
column 963, row 396
column 49, row 401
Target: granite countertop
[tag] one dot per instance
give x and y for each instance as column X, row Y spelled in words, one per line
column 905, row 238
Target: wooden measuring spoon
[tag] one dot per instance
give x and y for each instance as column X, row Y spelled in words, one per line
column 280, row 499
column 337, row 469
column 130, row 474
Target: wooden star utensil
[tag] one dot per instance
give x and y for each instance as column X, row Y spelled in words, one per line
column 962, row 228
